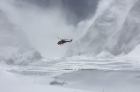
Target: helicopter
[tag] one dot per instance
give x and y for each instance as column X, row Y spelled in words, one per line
column 62, row 41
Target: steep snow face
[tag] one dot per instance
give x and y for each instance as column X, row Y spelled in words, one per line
column 128, row 36
column 14, row 46
column 114, row 30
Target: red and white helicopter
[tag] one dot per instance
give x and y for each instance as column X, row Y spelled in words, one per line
column 62, row 41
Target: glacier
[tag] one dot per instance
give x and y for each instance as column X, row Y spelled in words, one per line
column 103, row 57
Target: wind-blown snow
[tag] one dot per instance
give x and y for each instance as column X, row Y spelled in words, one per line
column 15, row 48
column 42, row 26
column 28, row 31
column 110, row 29
column 115, row 30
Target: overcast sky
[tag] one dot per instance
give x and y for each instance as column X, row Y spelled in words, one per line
column 76, row 10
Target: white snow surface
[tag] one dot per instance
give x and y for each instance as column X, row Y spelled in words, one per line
column 107, row 74
column 101, row 73
column 134, row 54
column 133, row 57
column 17, row 83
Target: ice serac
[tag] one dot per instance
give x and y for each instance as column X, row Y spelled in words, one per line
column 115, row 30
column 14, row 45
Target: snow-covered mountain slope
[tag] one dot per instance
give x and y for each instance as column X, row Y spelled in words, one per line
column 133, row 56
column 14, row 45
column 135, row 52
column 105, row 38
column 115, row 30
